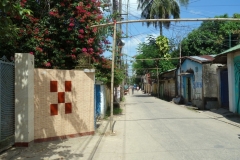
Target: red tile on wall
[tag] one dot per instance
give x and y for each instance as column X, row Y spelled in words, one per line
column 68, row 86
column 68, row 108
column 54, row 109
column 61, row 97
column 53, row 86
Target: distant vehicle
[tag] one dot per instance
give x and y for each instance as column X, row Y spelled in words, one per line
column 135, row 86
column 126, row 89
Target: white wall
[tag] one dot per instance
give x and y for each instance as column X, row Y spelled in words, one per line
column 231, row 80
column 24, row 98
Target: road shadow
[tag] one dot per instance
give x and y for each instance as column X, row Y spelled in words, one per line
column 59, row 149
column 224, row 113
column 143, row 95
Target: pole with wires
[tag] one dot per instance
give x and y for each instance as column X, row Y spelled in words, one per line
column 112, row 75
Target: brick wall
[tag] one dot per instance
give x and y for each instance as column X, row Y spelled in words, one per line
column 63, row 103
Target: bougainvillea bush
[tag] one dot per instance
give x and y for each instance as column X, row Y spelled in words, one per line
column 57, row 32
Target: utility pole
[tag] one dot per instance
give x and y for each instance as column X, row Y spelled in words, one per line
column 157, row 83
column 180, row 62
column 112, row 76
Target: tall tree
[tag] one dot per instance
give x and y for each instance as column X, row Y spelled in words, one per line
column 153, row 49
column 58, row 31
column 160, row 9
column 212, row 37
column 8, row 10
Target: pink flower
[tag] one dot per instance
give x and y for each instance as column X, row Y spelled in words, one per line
column 71, row 24
column 39, row 49
column 48, row 64
column 73, row 56
column 74, row 50
column 52, row 13
column 90, row 50
column 31, row 53
column 90, row 41
column 99, row 17
column 69, row 29
column 80, row 36
column 81, row 31
column 84, row 49
column 94, row 29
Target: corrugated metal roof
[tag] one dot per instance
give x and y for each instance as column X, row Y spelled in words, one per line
column 237, row 47
column 171, row 70
column 222, row 58
column 201, row 58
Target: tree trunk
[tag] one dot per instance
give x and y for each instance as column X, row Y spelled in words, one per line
column 161, row 29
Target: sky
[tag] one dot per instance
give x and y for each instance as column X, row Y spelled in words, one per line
column 137, row 32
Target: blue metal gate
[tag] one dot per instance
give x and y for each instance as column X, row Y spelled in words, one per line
column 97, row 101
column 224, row 89
column 7, row 110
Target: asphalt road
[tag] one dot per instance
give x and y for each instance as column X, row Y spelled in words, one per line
column 152, row 129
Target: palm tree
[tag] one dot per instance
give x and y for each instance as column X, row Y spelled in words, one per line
column 160, row 9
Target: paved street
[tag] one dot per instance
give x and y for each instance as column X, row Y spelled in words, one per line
column 149, row 129
column 154, row 129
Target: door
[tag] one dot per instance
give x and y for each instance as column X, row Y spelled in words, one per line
column 224, row 89
column 188, row 89
column 237, row 82
column 7, row 104
column 97, row 101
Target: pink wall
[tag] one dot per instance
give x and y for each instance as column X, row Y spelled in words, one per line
column 63, row 103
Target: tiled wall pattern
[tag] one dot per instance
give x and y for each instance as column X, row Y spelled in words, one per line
column 61, row 97
column 64, row 103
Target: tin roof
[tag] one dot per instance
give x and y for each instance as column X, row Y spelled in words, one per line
column 222, row 57
column 170, row 70
column 201, row 58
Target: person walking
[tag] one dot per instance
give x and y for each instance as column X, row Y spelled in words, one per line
column 132, row 90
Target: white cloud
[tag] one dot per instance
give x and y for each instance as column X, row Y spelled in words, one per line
column 195, row 12
column 133, row 12
column 131, row 44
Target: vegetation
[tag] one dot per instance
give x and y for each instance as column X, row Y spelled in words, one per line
column 57, row 32
column 116, row 111
column 10, row 9
column 103, row 73
column 212, row 37
column 160, row 9
column 153, row 49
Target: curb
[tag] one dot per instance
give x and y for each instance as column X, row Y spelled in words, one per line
column 98, row 142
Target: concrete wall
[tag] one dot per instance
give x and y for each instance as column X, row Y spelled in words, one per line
column 24, row 99
column 196, row 82
column 210, row 86
column 218, row 71
column 63, row 103
column 154, row 89
column 169, row 89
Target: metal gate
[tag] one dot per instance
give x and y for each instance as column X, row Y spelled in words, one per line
column 7, row 110
column 97, row 99
column 224, row 89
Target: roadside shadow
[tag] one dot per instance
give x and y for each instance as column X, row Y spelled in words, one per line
column 145, row 95
column 221, row 112
column 59, row 149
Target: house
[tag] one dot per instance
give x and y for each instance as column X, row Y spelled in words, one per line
column 168, row 84
column 230, row 74
column 147, row 83
column 197, row 81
